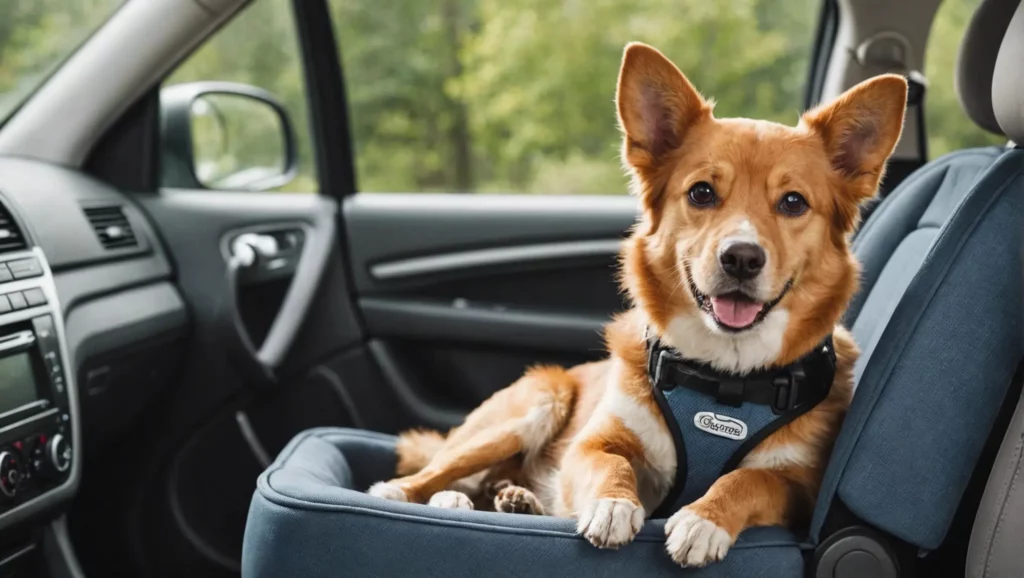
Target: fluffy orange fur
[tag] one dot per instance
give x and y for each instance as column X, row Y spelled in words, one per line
column 590, row 442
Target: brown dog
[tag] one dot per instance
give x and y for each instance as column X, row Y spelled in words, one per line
column 740, row 261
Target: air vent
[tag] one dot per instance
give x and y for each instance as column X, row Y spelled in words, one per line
column 112, row 227
column 11, row 238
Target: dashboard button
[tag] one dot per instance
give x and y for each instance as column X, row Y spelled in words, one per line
column 10, row 474
column 17, row 301
column 24, row 268
column 58, row 452
column 43, row 326
column 34, row 296
column 5, row 273
column 5, row 304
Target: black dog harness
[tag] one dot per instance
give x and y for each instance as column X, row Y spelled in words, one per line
column 717, row 418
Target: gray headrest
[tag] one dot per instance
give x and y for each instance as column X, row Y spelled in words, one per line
column 976, row 61
column 1008, row 83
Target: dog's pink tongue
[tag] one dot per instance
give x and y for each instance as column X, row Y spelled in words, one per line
column 733, row 312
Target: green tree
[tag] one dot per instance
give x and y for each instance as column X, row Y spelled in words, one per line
column 499, row 95
column 948, row 127
column 36, row 35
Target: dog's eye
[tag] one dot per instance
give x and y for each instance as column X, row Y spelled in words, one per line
column 793, row 204
column 702, row 195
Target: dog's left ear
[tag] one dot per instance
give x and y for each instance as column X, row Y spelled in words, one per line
column 657, row 105
column 860, row 130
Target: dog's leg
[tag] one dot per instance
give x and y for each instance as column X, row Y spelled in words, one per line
column 521, row 418
column 599, row 480
column 705, row 530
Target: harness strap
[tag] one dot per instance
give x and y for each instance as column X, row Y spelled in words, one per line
column 680, row 383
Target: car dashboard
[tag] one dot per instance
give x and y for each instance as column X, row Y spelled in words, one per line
column 91, row 333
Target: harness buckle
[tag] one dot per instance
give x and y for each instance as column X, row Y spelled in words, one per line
column 655, row 366
column 787, row 390
column 730, row 392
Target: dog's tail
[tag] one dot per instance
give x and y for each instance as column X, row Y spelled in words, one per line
column 416, row 448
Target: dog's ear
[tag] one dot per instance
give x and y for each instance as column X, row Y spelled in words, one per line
column 656, row 105
column 860, row 130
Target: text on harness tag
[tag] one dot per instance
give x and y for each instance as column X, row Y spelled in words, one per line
column 720, row 425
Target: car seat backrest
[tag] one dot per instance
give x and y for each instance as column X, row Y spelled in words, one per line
column 995, row 548
column 941, row 325
column 976, row 61
column 925, row 200
column 1008, row 82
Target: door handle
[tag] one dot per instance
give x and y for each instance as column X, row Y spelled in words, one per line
column 294, row 251
column 247, row 251
column 248, row 248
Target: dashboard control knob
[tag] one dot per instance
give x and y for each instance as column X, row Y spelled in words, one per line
column 58, row 452
column 10, row 474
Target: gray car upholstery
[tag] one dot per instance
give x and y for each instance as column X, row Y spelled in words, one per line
column 995, row 548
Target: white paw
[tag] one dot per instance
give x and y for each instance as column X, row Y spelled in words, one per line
column 451, row 500
column 610, row 522
column 387, row 491
column 695, row 541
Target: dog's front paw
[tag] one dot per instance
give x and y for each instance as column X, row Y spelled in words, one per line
column 517, row 500
column 388, row 491
column 694, row 540
column 610, row 522
column 451, row 500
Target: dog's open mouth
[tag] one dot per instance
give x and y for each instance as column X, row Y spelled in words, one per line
column 734, row 310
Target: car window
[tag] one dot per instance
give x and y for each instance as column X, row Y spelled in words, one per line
column 516, row 95
column 948, row 127
column 36, row 36
column 234, row 141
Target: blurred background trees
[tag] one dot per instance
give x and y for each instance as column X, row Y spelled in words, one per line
column 506, row 95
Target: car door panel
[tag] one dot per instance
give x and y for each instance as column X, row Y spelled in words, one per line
column 460, row 293
column 213, row 436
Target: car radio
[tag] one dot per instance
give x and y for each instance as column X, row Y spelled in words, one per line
column 35, row 429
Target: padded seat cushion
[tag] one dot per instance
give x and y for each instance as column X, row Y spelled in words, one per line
column 309, row 517
column 945, row 338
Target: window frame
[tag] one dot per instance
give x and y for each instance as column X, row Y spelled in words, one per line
column 128, row 154
column 821, row 52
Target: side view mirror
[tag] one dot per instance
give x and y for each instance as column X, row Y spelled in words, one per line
column 226, row 136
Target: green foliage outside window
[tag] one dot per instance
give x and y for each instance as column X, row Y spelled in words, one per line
column 499, row 95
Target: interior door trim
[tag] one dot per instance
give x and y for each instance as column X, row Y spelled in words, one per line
column 406, row 385
column 313, row 260
column 473, row 259
column 483, row 324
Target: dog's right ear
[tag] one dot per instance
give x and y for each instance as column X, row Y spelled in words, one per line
column 656, row 105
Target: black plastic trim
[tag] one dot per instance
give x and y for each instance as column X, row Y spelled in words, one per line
column 319, row 243
column 405, row 387
column 121, row 320
column 127, row 156
column 821, row 52
column 58, row 551
column 328, row 102
column 438, row 321
column 461, row 261
column 81, row 284
column 859, row 542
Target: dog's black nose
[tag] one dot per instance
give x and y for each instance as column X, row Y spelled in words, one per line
column 742, row 260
